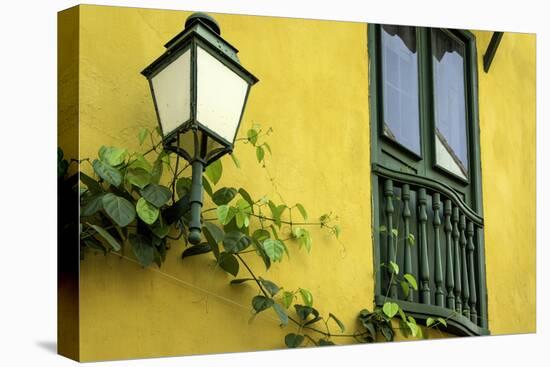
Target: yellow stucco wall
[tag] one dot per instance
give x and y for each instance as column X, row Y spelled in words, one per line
column 507, row 133
column 313, row 92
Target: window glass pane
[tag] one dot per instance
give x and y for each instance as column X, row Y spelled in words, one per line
column 450, row 105
column 400, row 85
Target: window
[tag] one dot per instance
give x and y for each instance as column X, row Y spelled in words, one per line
column 426, row 173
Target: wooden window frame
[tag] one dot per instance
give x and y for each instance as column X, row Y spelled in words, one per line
column 423, row 169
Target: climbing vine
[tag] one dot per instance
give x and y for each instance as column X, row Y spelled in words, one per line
column 124, row 205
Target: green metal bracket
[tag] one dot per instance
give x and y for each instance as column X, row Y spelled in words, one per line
column 491, row 50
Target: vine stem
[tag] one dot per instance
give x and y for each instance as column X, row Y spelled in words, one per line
column 253, row 275
column 289, row 317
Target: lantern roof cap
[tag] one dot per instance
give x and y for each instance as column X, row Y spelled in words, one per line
column 204, row 18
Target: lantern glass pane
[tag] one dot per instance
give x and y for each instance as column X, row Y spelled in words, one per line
column 221, row 95
column 172, row 90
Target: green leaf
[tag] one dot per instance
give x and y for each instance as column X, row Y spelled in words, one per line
column 156, row 194
column 260, row 235
column 146, row 211
column 340, row 323
column 142, row 135
column 411, row 280
column 213, row 235
column 410, row 238
column 306, row 297
column 382, row 229
column 90, row 183
column 303, row 237
column 229, row 263
column 277, row 212
column 224, row 195
column 159, row 229
column 156, row 172
column 261, row 303
column 414, row 328
column 260, row 153
column 324, row 342
column 246, row 196
column 235, row 241
column 287, row 298
column 395, row 232
column 390, row 309
column 108, row 173
column 235, row 160
column 442, row 321
column 405, row 287
column 252, row 136
column 183, row 186
column 222, row 212
column 196, row 250
column 271, row 287
column 140, row 162
column 94, row 244
column 274, row 249
column 240, row 281
column 118, row 209
column 304, row 311
column 206, row 186
column 214, row 171
column 92, row 205
column 281, row 313
column 106, row 236
column 302, row 211
column 394, row 267
column 268, row 148
column 113, row 156
column 293, row 340
column 138, row 177
column 143, row 249
column 430, row 321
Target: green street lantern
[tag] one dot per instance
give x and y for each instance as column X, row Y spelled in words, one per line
column 200, row 90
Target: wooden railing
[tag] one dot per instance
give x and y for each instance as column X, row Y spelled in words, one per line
column 428, row 230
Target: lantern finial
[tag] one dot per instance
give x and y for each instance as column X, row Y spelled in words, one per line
column 204, row 18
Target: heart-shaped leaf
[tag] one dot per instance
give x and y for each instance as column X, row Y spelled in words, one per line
column 146, row 211
column 156, row 194
column 224, row 195
column 142, row 248
column 108, row 173
column 390, row 309
column 293, row 340
column 118, row 209
column 107, row 236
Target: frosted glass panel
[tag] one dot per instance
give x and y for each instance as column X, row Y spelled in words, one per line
column 400, row 86
column 450, row 104
column 172, row 93
column 221, row 95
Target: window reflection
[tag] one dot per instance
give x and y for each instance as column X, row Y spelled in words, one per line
column 400, row 85
column 450, row 105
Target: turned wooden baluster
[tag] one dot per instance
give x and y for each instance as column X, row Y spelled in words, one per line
column 438, row 276
column 424, row 266
column 465, row 286
column 457, row 268
column 388, row 193
column 406, row 195
column 449, row 275
column 471, row 273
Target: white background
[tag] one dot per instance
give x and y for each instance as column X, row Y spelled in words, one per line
column 28, row 182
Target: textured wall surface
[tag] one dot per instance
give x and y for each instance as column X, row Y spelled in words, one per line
column 313, row 92
column 507, row 137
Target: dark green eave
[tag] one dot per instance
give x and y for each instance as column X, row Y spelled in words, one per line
column 207, row 34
